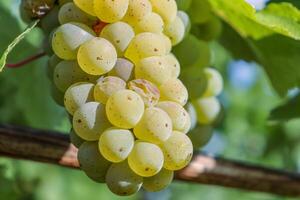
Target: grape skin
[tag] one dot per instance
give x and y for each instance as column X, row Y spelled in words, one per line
column 215, row 82
column 123, row 69
column 159, row 181
column 151, row 23
column 174, row 90
column 86, row 6
column 167, row 9
column 201, row 135
column 110, row 11
column 137, row 10
column 75, row 139
column 207, row 109
column 175, row 30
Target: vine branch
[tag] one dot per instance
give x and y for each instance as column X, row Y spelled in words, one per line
column 55, row 148
column 27, row 60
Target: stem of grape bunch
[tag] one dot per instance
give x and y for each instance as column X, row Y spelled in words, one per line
column 26, row 60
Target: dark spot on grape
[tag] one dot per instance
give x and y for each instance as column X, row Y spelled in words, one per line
column 79, row 121
column 147, row 169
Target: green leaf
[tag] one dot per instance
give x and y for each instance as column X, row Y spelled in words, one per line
column 15, row 42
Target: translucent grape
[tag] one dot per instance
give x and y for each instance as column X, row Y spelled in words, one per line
column 181, row 120
column 90, row 121
column 116, row 144
column 154, row 127
column 77, row 95
column 207, row 109
column 168, row 43
column 215, row 82
column 125, row 109
column 145, row 45
column 110, row 11
column 86, row 6
column 177, row 150
column 175, row 30
column 122, row 181
column 193, row 115
column 147, row 90
column 167, row 9
column 123, row 69
column 97, row 56
column 68, row 37
column 137, row 10
column 92, row 162
column 119, row 34
column 154, row 69
column 185, row 20
column 174, row 90
column 200, row 11
column 159, row 181
column 52, row 62
column 201, row 135
column 107, row 86
column 75, row 139
column 146, row 159
column 151, row 23
column 174, row 64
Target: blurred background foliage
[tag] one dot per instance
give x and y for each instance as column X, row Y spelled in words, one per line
column 245, row 134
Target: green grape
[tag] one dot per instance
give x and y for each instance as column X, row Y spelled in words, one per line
column 151, row 23
column 107, row 86
column 33, row 9
column 154, row 69
column 200, row 11
column 90, row 121
column 67, row 39
column 67, row 73
column 174, row 64
column 167, row 9
column 137, row 10
column 193, row 115
column 86, row 6
column 119, row 34
column 181, row 120
column 69, row 12
column 186, row 21
column 75, row 139
column 201, row 135
column 146, row 45
column 92, row 162
column 77, row 95
column 116, row 144
column 146, row 159
column 125, row 109
column 159, row 181
column 52, row 62
column 177, row 150
column 207, row 109
column 57, row 95
column 168, row 43
column 110, row 11
column 50, row 21
column 123, row 69
column 154, row 127
column 174, row 90
column 97, row 56
column 122, row 181
column 210, row 30
column 175, row 30
column 199, row 52
column 215, row 82
column 147, row 90
column 183, row 4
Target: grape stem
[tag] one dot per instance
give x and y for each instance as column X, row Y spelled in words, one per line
column 26, row 61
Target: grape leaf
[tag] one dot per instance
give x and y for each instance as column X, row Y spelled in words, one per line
column 18, row 39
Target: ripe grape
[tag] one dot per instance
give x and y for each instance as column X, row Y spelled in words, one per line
column 185, row 20
column 122, row 181
column 207, row 109
column 110, row 11
column 155, row 126
column 92, row 162
column 175, row 30
column 137, row 10
column 75, row 139
column 90, row 121
column 177, row 150
column 116, row 144
column 193, row 115
column 86, row 6
column 123, row 69
column 215, row 82
column 151, row 23
column 97, row 56
column 167, row 9
column 201, row 135
column 167, row 42
column 174, row 64
column 146, row 159
column 125, row 109
column 174, row 90
column 200, row 11
column 159, row 181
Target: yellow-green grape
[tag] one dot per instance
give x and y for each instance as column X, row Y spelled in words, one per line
column 154, row 69
column 121, row 180
column 67, row 73
column 177, row 150
column 193, row 115
column 150, row 23
column 57, row 95
column 68, row 37
column 97, row 56
column 175, row 30
column 209, row 30
column 123, row 69
column 137, row 10
column 215, row 82
column 52, row 62
column 146, row 159
column 110, row 11
column 201, row 135
column 167, row 9
column 159, row 181
column 181, row 120
column 107, row 86
column 77, row 95
column 69, row 12
column 200, row 11
column 168, row 43
column 145, row 45
column 86, row 5
column 75, row 139
column 90, row 121
column 92, row 162
column 185, row 20
column 116, row 144
column 207, row 109
column 154, row 127
column 119, row 34
column 125, row 109
column 174, row 64
column 147, row 90
column 174, row 90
